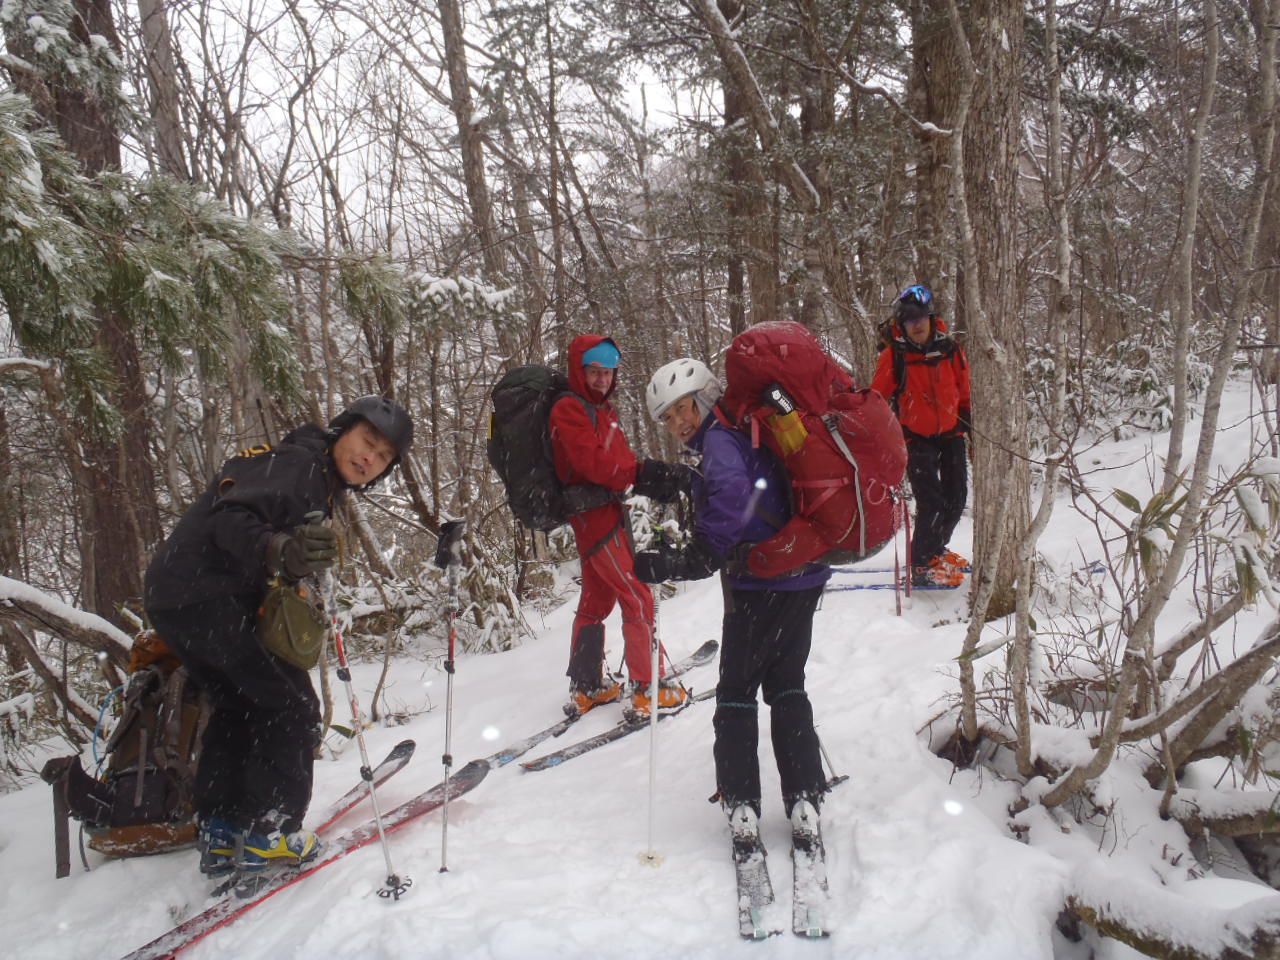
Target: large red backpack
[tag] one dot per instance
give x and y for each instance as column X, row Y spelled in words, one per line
column 842, row 447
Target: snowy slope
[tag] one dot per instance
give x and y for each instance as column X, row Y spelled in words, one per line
column 548, row 864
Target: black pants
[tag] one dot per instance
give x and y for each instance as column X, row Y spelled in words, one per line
column 766, row 641
column 259, row 744
column 939, row 472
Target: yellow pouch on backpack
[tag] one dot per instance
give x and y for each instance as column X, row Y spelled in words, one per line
column 291, row 625
column 787, row 430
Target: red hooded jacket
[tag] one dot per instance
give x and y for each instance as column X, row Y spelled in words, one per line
column 591, row 447
column 933, row 398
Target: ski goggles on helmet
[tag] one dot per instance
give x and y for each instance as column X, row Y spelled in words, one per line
column 918, row 295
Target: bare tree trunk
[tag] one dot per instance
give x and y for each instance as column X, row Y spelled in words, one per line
column 1186, row 245
column 1001, row 480
column 932, row 96
column 158, row 57
column 473, row 172
column 1059, row 318
column 753, row 272
column 994, row 303
column 9, row 554
column 789, row 174
column 560, row 311
column 116, row 490
column 123, row 519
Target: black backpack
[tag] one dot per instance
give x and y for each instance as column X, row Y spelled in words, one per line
column 141, row 804
column 520, row 448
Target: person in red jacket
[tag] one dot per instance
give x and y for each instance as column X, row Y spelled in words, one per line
column 589, row 447
column 924, row 374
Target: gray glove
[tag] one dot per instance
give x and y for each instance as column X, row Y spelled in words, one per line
column 310, row 548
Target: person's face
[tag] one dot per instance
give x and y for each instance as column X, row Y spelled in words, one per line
column 917, row 330
column 682, row 419
column 599, row 379
column 362, row 454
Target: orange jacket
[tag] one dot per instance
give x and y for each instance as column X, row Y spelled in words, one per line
column 927, row 384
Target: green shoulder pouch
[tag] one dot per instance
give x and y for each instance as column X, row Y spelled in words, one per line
column 290, row 624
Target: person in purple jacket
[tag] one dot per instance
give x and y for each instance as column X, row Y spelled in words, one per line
column 741, row 496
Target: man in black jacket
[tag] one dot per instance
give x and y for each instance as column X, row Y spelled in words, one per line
column 204, row 586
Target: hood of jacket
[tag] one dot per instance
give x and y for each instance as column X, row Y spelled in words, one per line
column 939, row 337
column 577, row 379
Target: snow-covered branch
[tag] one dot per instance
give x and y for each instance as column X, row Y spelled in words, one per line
column 1162, row 923
column 1228, row 813
column 25, row 604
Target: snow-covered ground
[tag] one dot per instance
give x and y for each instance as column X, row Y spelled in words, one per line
column 548, row 864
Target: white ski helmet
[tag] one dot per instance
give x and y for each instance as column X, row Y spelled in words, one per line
column 677, row 379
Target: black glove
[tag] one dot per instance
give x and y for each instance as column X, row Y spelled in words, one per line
column 695, row 562
column 311, row 547
column 653, row 566
column 663, row 482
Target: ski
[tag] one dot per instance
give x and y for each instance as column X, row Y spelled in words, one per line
column 809, row 875
column 967, row 568
column 227, row 909
column 696, row 659
column 755, row 892
column 622, row 728
column 391, row 764
column 625, row 726
column 885, row 586
column 506, row 755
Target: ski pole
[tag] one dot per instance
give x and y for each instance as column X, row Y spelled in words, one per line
column 449, row 557
column 906, row 527
column 900, row 511
column 651, row 856
column 822, row 748
column 395, row 885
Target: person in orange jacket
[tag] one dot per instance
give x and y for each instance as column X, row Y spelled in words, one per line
column 924, row 375
column 589, row 447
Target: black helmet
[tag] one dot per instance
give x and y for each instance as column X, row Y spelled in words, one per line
column 915, row 301
column 386, row 416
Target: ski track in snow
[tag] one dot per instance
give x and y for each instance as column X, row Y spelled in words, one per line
column 547, row 864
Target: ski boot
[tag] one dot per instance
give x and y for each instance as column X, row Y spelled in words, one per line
column 217, row 844
column 672, row 698
column 937, row 573
column 580, row 701
column 289, row 849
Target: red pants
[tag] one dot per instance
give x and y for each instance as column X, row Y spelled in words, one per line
column 608, row 577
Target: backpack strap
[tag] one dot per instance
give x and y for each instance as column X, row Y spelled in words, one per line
column 57, row 773
column 830, row 423
column 899, row 372
column 587, row 405
column 172, row 752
